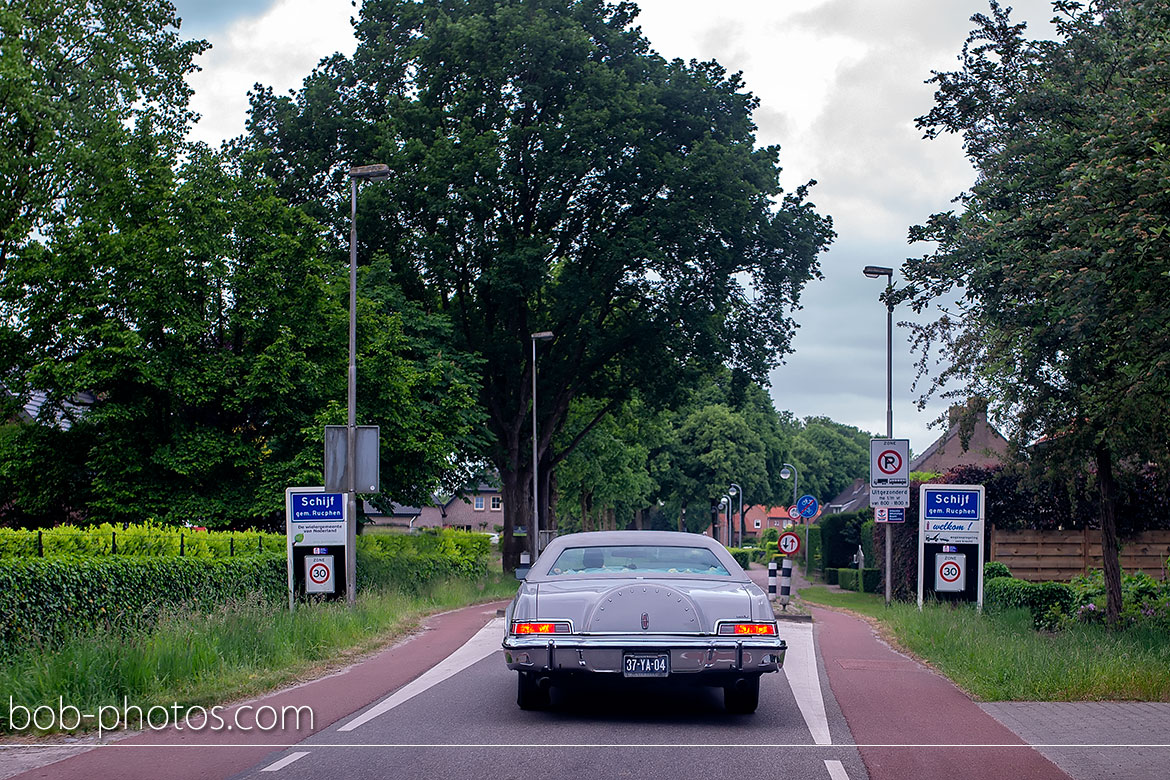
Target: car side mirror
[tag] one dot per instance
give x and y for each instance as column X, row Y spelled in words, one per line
column 522, row 572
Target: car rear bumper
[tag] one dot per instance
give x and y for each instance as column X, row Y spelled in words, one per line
column 604, row 654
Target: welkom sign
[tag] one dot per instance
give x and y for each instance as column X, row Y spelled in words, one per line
column 950, row 542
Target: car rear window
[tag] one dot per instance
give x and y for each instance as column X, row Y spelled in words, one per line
column 655, row 559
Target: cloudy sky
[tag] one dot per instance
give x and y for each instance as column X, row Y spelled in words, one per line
column 840, row 83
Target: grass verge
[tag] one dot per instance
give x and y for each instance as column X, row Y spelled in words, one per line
column 239, row 650
column 1000, row 657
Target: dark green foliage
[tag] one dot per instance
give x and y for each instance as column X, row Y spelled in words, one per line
column 812, row 547
column 1051, row 281
column 1048, row 602
column 832, row 576
column 848, row 579
column 44, row 600
column 770, row 536
column 993, row 569
column 742, row 557
column 841, row 534
column 549, row 171
column 871, row 579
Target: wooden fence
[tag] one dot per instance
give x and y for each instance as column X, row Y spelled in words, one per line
column 1062, row 555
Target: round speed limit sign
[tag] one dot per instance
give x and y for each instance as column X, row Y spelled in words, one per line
column 789, row 543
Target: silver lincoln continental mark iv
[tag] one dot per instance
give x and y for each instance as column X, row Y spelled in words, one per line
column 637, row 604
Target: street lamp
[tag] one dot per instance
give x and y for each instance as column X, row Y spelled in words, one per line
column 732, row 491
column 790, row 471
column 725, row 504
column 875, row 272
column 544, row 335
column 375, row 172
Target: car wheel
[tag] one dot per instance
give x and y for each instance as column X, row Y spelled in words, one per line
column 742, row 696
column 530, row 695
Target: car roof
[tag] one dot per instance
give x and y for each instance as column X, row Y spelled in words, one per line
column 615, row 538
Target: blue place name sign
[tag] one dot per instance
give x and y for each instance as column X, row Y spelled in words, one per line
column 952, row 505
column 308, row 507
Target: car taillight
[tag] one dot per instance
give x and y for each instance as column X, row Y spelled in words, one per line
column 527, row 627
column 748, row 629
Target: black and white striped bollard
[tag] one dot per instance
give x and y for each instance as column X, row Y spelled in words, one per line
column 785, row 583
column 772, row 581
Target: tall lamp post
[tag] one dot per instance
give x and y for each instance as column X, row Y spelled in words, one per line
column 790, row 471
column 544, row 335
column 725, row 503
column 876, row 272
column 376, row 172
column 733, row 491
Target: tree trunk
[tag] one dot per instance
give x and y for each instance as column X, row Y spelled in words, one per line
column 1110, row 559
column 517, row 506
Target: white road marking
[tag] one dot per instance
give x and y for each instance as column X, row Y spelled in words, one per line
column 800, row 666
column 282, row 763
column 480, row 646
column 836, row 770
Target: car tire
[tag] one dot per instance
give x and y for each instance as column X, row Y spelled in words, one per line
column 742, row 696
column 530, row 695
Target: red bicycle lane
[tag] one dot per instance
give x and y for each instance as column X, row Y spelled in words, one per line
column 910, row 722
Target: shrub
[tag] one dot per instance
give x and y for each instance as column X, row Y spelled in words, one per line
column 45, row 599
column 770, row 535
column 831, row 576
column 742, row 557
column 147, row 539
column 871, row 579
column 812, row 547
column 993, row 569
column 1049, row 602
column 848, row 579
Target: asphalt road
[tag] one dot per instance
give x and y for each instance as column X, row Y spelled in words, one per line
column 468, row 725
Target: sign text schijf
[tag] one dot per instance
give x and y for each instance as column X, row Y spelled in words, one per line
column 952, row 505
column 310, row 507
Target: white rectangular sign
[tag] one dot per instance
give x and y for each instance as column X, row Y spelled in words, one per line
column 889, row 497
column 889, row 464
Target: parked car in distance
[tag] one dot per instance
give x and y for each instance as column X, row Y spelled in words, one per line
column 640, row 604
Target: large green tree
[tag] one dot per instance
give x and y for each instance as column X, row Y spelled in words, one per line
column 1059, row 256
column 200, row 317
column 550, row 172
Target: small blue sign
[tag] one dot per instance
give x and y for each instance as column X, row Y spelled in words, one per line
column 897, row 514
column 312, row 507
column 807, row 506
column 952, row 505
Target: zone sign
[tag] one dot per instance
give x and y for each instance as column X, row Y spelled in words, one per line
column 889, row 463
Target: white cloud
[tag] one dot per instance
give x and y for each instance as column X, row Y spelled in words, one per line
column 277, row 48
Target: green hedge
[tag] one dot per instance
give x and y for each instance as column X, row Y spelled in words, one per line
column 145, row 540
column 742, row 556
column 993, row 569
column 869, row 579
column 831, row 576
column 43, row 600
column 1047, row 601
column 847, row 579
column 812, row 547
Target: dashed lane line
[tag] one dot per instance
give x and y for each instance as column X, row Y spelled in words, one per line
column 276, row 766
column 836, row 770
